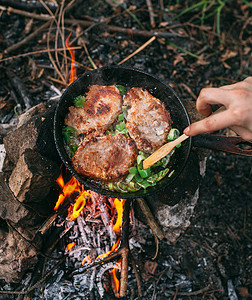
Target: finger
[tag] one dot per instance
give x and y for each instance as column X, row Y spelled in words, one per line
column 243, row 132
column 213, row 123
column 209, row 96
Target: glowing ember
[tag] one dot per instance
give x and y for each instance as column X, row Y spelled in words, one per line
column 116, row 282
column 119, row 207
column 73, row 75
column 70, row 246
column 114, row 247
column 86, row 259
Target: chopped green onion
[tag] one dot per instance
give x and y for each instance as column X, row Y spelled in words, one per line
column 144, row 173
column 121, row 88
column 140, row 158
column 157, row 177
column 141, row 153
column 129, row 178
column 111, row 186
column 124, row 111
column 144, row 184
column 68, row 133
column 121, row 117
column 153, row 178
column 138, row 178
column 121, row 126
column 173, row 134
column 79, row 101
column 133, row 187
column 121, row 187
column 133, row 170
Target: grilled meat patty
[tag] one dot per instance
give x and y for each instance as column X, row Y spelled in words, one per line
column 148, row 121
column 102, row 106
column 105, row 157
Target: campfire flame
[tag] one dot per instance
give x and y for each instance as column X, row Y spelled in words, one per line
column 82, row 197
column 73, row 75
column 116, row 282
column 71, row 186
column 119, row 207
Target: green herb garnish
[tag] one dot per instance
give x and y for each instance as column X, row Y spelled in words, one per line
column 79, row 101
column 121, row 88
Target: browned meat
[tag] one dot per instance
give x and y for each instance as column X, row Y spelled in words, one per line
column 148, row 121
column 105, row 157
column 103, row 104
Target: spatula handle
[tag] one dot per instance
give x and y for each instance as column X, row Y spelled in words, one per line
column 163, row 151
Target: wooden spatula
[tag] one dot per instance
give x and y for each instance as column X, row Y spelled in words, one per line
column 167, row 148
column 163, row 151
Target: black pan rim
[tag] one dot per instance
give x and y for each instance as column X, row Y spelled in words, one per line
column 89, row 185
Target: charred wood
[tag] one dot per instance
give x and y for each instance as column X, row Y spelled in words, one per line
column 30, row 5
column 20, row 88
column 26, row 39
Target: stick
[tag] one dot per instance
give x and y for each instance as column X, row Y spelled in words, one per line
column 157, row 231
column 111, row 28
column 124, row 272
column 26, row 39
column 151, row 13
column 138, row 50
column 37, row 52
column 138, row 280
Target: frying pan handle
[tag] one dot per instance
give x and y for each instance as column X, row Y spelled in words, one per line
column 222, row 143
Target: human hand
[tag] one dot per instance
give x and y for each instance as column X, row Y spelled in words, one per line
column 237, row 100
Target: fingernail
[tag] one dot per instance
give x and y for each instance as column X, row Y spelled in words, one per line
column 186, row 131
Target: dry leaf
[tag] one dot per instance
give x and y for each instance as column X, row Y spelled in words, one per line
column 201, row 61
column 163, row 24
column 226, row 65
column 179, row 58
column 149, row 269
column 228, row 54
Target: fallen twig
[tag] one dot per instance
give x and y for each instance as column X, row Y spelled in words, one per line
column 138, row 50
column 151, row 13
column 26, row 39
column 37, row 52
column 157, row 231
column 111, row 28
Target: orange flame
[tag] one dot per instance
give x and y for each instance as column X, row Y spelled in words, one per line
column 71, row 186
column 79, row 205
column 70, row 246
column 73, row 75
column 110, row 251
column 86, row 259
column 116, row 282
column 119, row 207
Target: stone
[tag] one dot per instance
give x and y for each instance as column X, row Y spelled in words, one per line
column 10, row 208
column 16, row 255
column 35, row 134
column 33, row 177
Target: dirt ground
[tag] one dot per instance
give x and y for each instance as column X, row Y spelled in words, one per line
column 205, row 43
